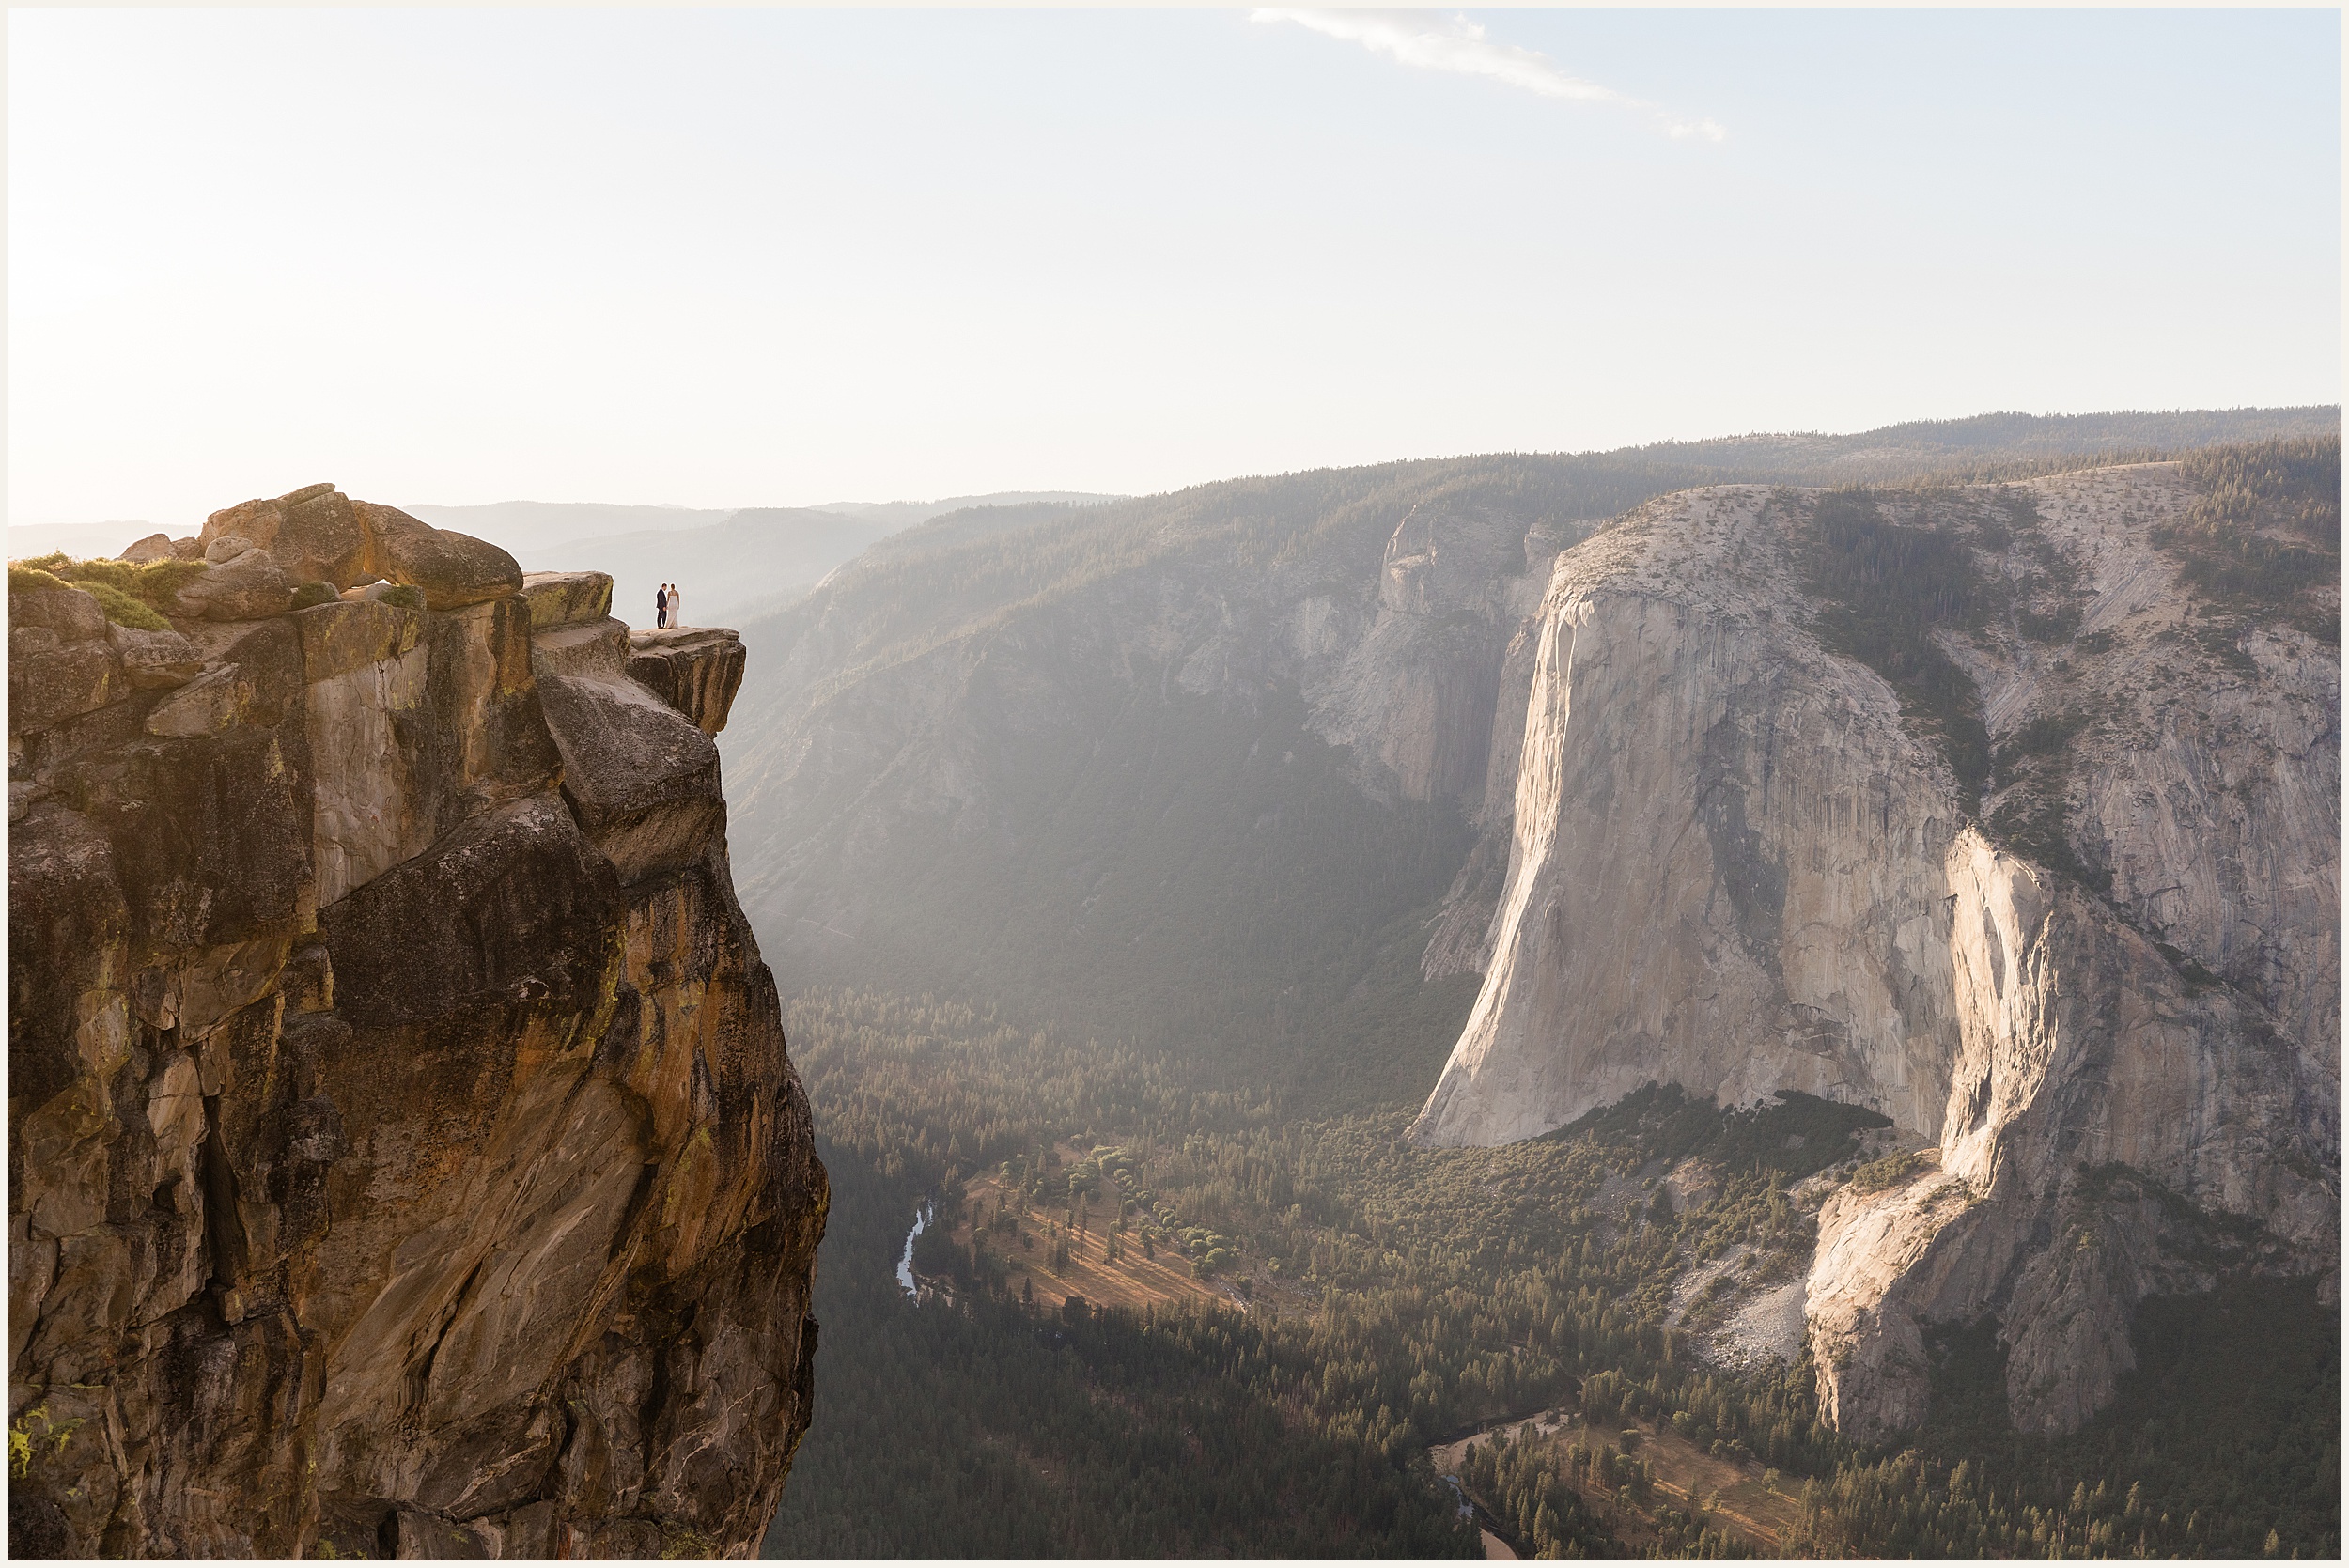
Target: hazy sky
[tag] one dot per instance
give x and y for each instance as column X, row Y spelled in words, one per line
column 728, row 258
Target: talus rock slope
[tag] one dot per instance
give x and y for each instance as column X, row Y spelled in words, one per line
column 1967, row 806
column 404, row 1156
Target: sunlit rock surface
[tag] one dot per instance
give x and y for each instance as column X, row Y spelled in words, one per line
column 1728, row 860
column 404, row 1157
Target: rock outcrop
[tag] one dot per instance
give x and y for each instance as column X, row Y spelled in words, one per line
column 2100, row 984
column 694, row 670
column 1415, row 693
column 404, row 1157
column 318, row 534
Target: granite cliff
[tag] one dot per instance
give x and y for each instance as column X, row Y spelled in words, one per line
column 1973, row 806
column 404, row 1157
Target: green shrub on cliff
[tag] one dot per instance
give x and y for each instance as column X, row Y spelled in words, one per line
column 1890, row 1171
column 1886, row 587
column 25, row 578
column 120, row 608
column 153, row 585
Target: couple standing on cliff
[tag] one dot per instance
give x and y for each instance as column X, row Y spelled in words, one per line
column 668, row 606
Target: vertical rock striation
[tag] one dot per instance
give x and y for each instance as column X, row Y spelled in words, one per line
column 404, row 1157
column 2093, row 971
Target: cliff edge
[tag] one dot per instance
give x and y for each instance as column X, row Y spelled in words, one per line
column 404, row 1159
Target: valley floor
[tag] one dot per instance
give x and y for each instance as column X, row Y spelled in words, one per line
column 1741, row 1499
column 1160, row 1320
column 1131, row 1280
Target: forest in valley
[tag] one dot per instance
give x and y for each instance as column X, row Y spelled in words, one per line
column 1317, row 1314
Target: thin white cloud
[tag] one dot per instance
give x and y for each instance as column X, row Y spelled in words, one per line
column 1429, row 41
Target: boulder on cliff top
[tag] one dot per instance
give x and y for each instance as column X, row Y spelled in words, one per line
column 243, row 584
column 453, row 570
column 318, row 534
column 73, row 615
column 567, row 598
column 313, row 533
column 155, row 547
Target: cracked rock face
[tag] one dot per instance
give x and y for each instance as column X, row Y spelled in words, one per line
column 1732, row 859
column 404, row 1157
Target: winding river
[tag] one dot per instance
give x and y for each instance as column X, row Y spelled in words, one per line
column 905, row 1262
